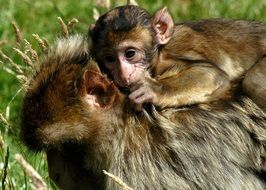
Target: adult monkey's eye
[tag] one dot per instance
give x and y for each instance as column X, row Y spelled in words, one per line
column 109, row 59
column 130, row 53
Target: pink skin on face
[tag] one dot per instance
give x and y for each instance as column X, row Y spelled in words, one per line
column 123, row 71
column 127, row 74
column 126, row 66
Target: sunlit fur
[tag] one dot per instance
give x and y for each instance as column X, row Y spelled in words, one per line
column 203, row 61
column 215, row 146
column 47, row 98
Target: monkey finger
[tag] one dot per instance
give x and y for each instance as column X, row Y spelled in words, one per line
column 138, row 107
column 136, row 87
column 138, row 100
column 143, row 99
column 135, row 94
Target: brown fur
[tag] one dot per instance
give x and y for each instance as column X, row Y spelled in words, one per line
column 202, row 62
column 199, row 147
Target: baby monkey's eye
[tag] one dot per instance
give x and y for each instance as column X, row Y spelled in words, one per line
column 130, row 53
column 109, row 59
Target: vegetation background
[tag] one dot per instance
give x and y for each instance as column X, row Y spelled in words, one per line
column 40, row 17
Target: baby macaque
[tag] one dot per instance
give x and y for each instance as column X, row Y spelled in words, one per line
column 183, row 64
column 86, row 125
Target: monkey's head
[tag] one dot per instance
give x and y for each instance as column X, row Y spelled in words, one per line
column 125, row 39
column 64, row 96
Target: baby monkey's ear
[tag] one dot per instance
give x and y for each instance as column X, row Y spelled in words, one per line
column 163, row 24
column 98, row 90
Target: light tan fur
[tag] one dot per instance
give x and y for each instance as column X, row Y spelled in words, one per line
column 217, row 146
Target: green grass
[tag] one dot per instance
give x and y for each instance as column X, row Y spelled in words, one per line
column 40, row 16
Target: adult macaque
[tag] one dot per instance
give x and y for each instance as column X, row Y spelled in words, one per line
column 86, row 124
column 176, row 65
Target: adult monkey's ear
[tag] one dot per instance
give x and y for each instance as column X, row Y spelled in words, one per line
column 98, row 91
column 163, row 24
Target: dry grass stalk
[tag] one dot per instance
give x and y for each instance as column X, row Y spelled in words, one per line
column 46, row 43
column 41, row 42
column 1, row 141
column 71, row 23
column 17, row 33
column 96, row 14
column 64, row 29
column 23, row 79
column 4, row 172
column 132, row 2
column 25, row 58
column 2, row 42
column 37, row 180
column 102, row 3
column 33, row 53
column 14, row 65
column 123, row 185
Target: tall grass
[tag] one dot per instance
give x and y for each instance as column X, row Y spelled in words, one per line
column 40, row 17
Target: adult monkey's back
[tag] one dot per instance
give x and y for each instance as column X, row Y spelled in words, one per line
column 86, row 125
